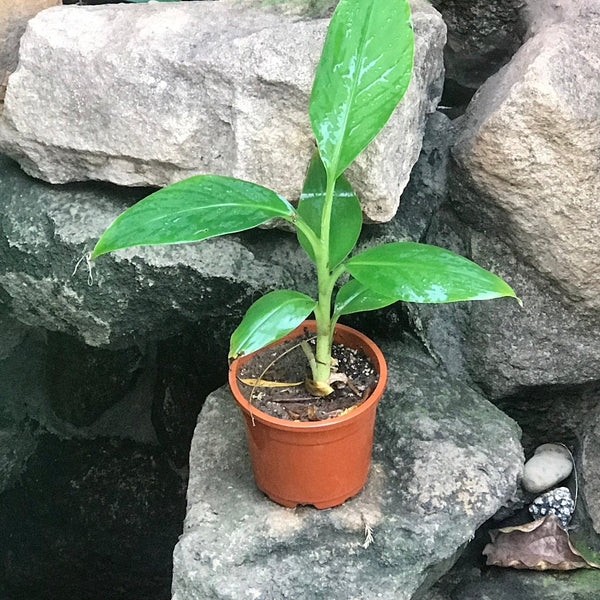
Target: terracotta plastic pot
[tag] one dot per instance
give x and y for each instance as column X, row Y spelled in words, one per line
column 322, row 463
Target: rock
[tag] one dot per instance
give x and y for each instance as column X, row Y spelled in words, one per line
column 542, row 13
column 444, row 461
column 136, row 295
column 551, row 341
column 468, row 581
column 223, row 89
column 590, row 464
column 504, row 349
column 508, row 584
column 556, row 502
column 21, row 393
column 482, row 37
column 550, row 464
column 189, row 368
column 91, row 519
column 527, row 156
column 13, row 334
column 84, row 382
column 13, row 20
column 17, row 443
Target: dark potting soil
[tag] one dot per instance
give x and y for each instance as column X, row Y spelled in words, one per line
column 287, row 363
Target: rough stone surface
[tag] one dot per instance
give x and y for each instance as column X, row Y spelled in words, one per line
column 528, row 156
column 19, row 390
column 505, row 349
column 556, row 413
column 17, row 443
column 508, row 349
column 444, row 461
column 13, row 333
column 136, row 295
column 91, row 503
column 509, row 584
column 590, row 465
column 482, row 37
column 189, row 368
column 84, row 382
column 222, row 89
column 13, row 20
column 91, row 519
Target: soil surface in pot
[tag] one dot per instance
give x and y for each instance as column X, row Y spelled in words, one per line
column 287, row 364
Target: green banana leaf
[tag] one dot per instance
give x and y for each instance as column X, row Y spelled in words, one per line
column 194, row 209
column 422, row 273
column 269, row 318
column 363, row 73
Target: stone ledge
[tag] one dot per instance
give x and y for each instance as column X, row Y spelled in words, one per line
column 444, row 461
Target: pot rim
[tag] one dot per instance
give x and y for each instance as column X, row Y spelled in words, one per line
column 258, row 415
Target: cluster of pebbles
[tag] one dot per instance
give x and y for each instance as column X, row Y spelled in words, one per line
column 549, row 465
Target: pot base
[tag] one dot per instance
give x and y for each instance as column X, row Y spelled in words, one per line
column 317, row 504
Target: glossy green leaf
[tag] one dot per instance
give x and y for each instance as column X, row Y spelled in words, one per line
column 346, row 213
column 354, row 297
column 421, row 273
column 194, row 209
column 269, row 318
column 363, row 73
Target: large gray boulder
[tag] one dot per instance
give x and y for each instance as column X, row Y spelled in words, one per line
column 135, row 295
column 528, row 156
column 148, row 94
column 13, row 20
column 526, row 197
column 503, row 348
column 444, row 461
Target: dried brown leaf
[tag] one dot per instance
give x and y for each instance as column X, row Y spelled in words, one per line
column 270, row 384
column 540, row 545
column 312, row 414
column 338, row 378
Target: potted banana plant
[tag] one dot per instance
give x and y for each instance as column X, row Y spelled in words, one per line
column 363, row 73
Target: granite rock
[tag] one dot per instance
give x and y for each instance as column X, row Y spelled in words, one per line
column 135, row 295
column 444, row 461
column 110, row 93
column 13, row 20
column 558, row 502
column 528, row 156
column 503, row 348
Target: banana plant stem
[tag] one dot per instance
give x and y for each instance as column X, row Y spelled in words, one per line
column 326, row 281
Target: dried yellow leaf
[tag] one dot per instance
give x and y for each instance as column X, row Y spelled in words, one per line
column 316, row 388
column 270, row 384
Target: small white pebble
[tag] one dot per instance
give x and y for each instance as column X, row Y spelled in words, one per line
column 550, row 464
